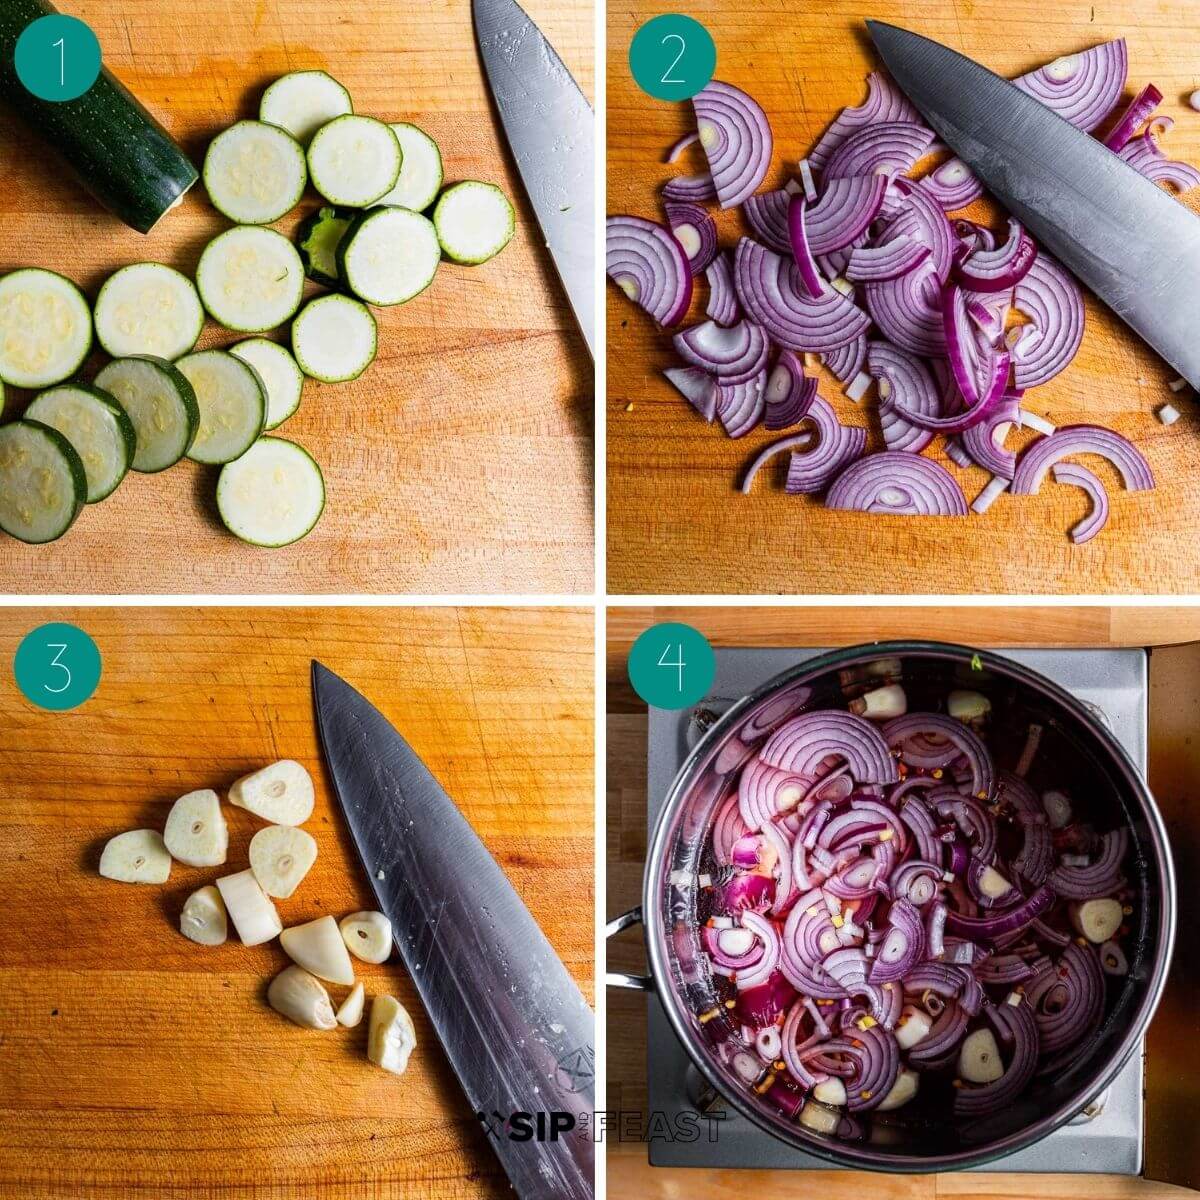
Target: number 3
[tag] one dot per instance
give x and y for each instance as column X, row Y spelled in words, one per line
column 61, row 648
column 673, row 37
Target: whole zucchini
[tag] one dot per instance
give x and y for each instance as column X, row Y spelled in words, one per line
column 118, row 151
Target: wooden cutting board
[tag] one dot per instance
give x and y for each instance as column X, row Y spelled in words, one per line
column 461, row 461
column 676, row 522
column 136, row 1065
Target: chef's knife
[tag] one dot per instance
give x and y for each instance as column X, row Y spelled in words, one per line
column 512, row 1021
column 1135, row 246
column 550, row 128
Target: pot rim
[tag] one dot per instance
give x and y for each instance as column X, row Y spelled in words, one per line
column 652, row 884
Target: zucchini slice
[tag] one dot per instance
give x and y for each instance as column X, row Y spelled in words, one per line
column 420, row 169
column 43, row 487
column 303, row 101
column 250, row 279
column 279, row 373
column 354, row 160
column 160, row 402
column 233, row 405
column 148, row 308
column 45, row 328
column 96, row 425
column 273, row 495
column 318, row 238
column 474, row 221
column 334, row 338
column 389, row 255
column 255, row 173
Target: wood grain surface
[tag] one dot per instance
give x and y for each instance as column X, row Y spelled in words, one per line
column 1173, row 1060
column 136, row 1064
column 461, row 461
column 676, row 522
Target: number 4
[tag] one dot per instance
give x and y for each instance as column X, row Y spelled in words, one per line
column 679, row 664
column 61, row 647
column 673, row 37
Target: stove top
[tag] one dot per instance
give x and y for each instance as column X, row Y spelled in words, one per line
column 1105, row 1138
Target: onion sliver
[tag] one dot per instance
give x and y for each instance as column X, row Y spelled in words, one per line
column 1054, row 303
column 922, row 219
column 984, row 443
column 767, row 216
column 870, row 264
column 1081, row 477
column 789, row 392
column 1081, row 88
column 802, row 744
column 688, row 139
column 1081, row 439
column 806, row 265
column 884, row 102
column 733, row 355
column 844, row 211
column 736, row 139
column 884, row 148
column 847, row 361
column 697, row 387
column 695, row 189
column 695, row 231
column 722, row 299
column 953, row 185
column 741, row 405
column 647, row 263
column 1144, row 156
column 908, row 309
column 837, row 445
column 902, row 377
column 899, row 483
column 1140, row 108
column 1000, row 269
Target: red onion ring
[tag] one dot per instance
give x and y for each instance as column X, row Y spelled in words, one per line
column 898, row 483
column 722, row 299
column 1054, row 303
column 1082, row 88
column 697, row 387
column 1097, row 518
column 741, row 405
column 789, row 392
column 837, row 445
column 872, row 264
column 1081, row 439
column 882, row 148
column 1144, row 156
column 694, row 189
column 908, row 310
column 736, row 138
column 695, row 231
column 1141, row 107
column 646, row 262
column 884, row 102
column 803, row 743
column 767, row 215
column 843, row 213
column 1000, row 269
column 810, row 277
column 734, row 355
column 846, row 361
column 984, row 443
column 953, row 185
column 902, row 378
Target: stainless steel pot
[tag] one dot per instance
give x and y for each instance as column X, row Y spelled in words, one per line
column 1076, row 750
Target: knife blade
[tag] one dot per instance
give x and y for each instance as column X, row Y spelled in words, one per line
column 1130, row 242
column 551, row 130
column 514, row 1025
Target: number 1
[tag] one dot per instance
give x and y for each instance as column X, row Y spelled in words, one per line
column 679, row 664
column 62, row 81
column 673, row 37
column 61, row 648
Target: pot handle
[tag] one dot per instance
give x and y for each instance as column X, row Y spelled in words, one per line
column 619, row 979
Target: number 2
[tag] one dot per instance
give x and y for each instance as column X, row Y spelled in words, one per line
column 679, row 664
column 60, row 45
column 673, row 37
column 61, row 648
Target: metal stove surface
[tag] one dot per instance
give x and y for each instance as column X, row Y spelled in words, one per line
column 1106, row 1138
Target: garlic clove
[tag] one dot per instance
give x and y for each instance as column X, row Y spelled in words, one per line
column 203, row 917
column 280, row 857
column 391, row 1038
column 968, row 706
column 903, row 1090
column 137, row 856
column 815, row 1116
column 368, row 935
column 252, row 913
column 281, row 793
column 295, row 994
column 195, row 832
column 318, row 947
column 881, row 704
column 979, row 1057
column 351, row 1010
column 830, row 1091
column 1096, row 920
column 992, row 884
column 914, row 1026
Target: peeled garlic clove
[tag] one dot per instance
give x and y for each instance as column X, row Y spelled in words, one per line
column 1058, row 808
column 391, row 1038
column 281, row 793
column 252, row 913
column 979, row 1058
column 318, row 947
column 280, row 857
column 881, row 704
column 138, row 856
column 968, row 706
column 992, row 884
column 903, row 1090
column 351, row 1010
column 913, row 1027
column 1097, row 920
column 368, row 935
column 203, row 917
column 830, row 1091
column 195, row 833
column 295, row 994
column 815, row 1116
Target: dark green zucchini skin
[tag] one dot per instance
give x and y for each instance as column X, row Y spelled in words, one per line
column 118, row 151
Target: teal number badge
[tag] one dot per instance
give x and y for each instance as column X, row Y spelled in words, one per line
column 671, row 666
column 57, row 667
column 672, row 57
column 57, row 57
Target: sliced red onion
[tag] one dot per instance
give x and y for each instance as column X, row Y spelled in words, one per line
column 845, row 210
column 902, row 379
column 1067, row 1000
column 734, row 949
column 847, row 361
column 646, row 262
column 938, row 1048
column 876, row 1058
column 770, row 290
column 741, row 406
column 969, row 814
column 898, row 483
column 762, row 1004
column 680, row 146
column 1082, row 88
column 736, row 139
column 903, row 945
column 990, row 927
column 734, row 355
column 778, row 841
column 992, row 393
column 806, row 264
column 1140, row 109
column 886, row 148
column 695, row 231
column 803, row 743
column 984, row 443
column 767, row 216
column 1081, row 439
column 884, row 102
column 1099, row 877
column 835, row 262
column 789, row 392
column 908, row 309
column 837, row 445
column 796, row 441
column 764, row 792
column 920, row 737
column 694, row 189
column 1000, row 269
column 989, row 313
column 747, row 893
column 871, row 264
column 698, row 387
column 728, row 828
column 1054, row 304
column 1013, row 1023
column 922, row 219
column 1145, row 156
column 953, row 185
column 722, row 299
column 916, row 881
column 1097, row 518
